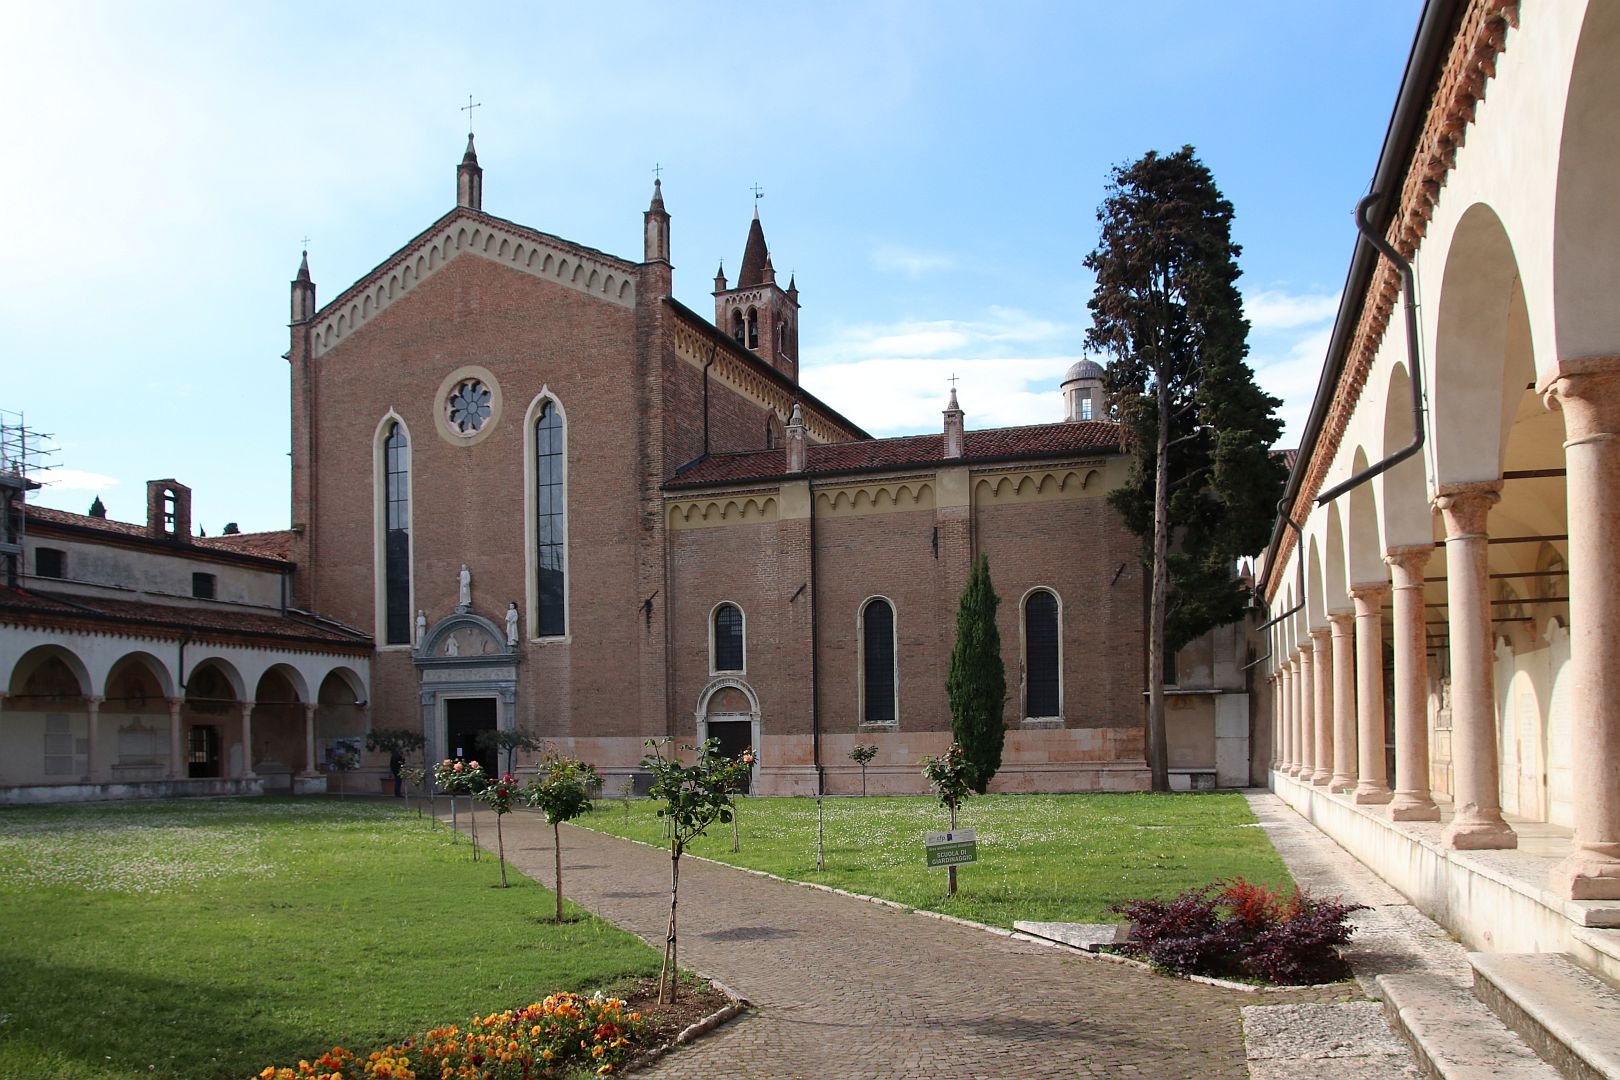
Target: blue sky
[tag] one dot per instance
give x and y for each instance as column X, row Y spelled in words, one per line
column 931, row 173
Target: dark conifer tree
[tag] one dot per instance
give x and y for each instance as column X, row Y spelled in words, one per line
column 977, row 682
column 1204, row 485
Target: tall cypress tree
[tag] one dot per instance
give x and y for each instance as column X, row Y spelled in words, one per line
column 1203, row 485
column 977, row 682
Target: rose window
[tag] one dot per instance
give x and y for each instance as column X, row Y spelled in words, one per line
column 468, row 406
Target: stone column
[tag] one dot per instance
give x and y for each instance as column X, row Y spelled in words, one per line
column 1307, row 705
column 1374, row 780
column 1344, row 702
column 1478, row 822
column 92, row 710
column 1588, row 394
column 1412, row 800
column 1322, row 709
column 176, row 769
column 309, row 739
column 1276, row 720
column 247, row 741
column 1285, row 705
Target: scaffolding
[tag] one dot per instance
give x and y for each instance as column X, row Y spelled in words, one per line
column 24, row 455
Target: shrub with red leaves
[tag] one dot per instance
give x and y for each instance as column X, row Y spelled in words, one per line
column 1235, row 928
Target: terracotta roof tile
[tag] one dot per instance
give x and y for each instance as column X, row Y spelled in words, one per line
column 275, row 545
column 909, row 451
column 202, row 620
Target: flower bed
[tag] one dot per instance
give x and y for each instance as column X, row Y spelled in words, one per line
column 566, row 1033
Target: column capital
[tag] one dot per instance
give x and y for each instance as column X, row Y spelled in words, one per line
column 1369, row 597
column 1587, row 391
column 1321, row 636
column 1341, row 623
column 1464, row 506
column 94, row 700
column 1407, row 562
column 175, row 703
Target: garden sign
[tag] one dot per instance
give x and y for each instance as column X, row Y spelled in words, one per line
column 950, row 848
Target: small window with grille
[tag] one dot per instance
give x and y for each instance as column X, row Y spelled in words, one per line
column 50, row 562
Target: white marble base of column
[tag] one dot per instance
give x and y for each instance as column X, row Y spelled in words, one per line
column 1408, row 806
column 1368, row 793
column 1474, row 829
column 1591, row 872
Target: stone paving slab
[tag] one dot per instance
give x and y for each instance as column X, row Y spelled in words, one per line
column 844, row 988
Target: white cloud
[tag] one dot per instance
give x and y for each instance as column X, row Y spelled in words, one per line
column 893, row 378
column 1273, row 310
column 1291, row 373
column 65, row 480
column 893, row 259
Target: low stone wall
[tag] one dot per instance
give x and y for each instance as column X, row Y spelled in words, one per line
column 37, row 794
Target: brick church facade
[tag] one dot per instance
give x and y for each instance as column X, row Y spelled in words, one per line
column 530, row 489
column 689, row 543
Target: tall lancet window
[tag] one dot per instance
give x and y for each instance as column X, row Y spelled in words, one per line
column 397, row 535
column 879, row 701
column 550, row 524
column 1042, row 671
column 753, row 328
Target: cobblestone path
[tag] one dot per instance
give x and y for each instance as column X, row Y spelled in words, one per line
column 846, row 988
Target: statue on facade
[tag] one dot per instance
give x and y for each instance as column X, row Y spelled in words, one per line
column 452, row 647
column 421, row 627
column 512, row 623
column 464, row 580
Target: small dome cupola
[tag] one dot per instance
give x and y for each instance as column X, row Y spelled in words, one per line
column 1083, row 388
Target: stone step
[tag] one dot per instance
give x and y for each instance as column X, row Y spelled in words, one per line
column 1570, row 1016
column 1453, row 1035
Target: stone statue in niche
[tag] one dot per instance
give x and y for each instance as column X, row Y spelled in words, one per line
column 452, row 647
column 464, row 582
column 421, row 627
column 512, row 623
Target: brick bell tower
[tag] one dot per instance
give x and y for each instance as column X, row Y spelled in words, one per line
column 758, row 314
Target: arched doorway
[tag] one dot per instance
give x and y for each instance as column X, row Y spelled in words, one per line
column 728, row 712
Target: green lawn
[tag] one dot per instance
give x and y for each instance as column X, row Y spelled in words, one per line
column 210, row 938
column 1043, row 857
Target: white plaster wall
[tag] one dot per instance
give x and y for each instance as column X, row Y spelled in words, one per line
column 128, row 573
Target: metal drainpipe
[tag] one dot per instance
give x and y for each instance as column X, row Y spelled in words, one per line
column 1414, row 361
column 815, row 685
column 1415, row 367
column 1299, row 569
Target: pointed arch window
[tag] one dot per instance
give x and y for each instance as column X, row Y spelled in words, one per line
column 550, row 523
column 397, row 536
column 880, row 700
column 737, row 330
column 753, row 328
column 1043, row 677
column 728, row 650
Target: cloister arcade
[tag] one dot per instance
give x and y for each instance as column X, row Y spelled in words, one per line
column 110, row 715
column 1446, row 658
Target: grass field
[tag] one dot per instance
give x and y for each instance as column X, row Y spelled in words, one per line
column 1042, row 857
column 209, row 938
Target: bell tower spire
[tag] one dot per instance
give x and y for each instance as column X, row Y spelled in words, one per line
column 470, row 179
column 756, row 312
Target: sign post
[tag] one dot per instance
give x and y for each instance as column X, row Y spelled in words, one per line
column 952, row 848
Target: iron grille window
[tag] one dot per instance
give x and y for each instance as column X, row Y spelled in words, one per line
column 549, row 521
column 877, row 655
column 728, row 638
column 50, row 562
column 397, row 538
column 1041, row 655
